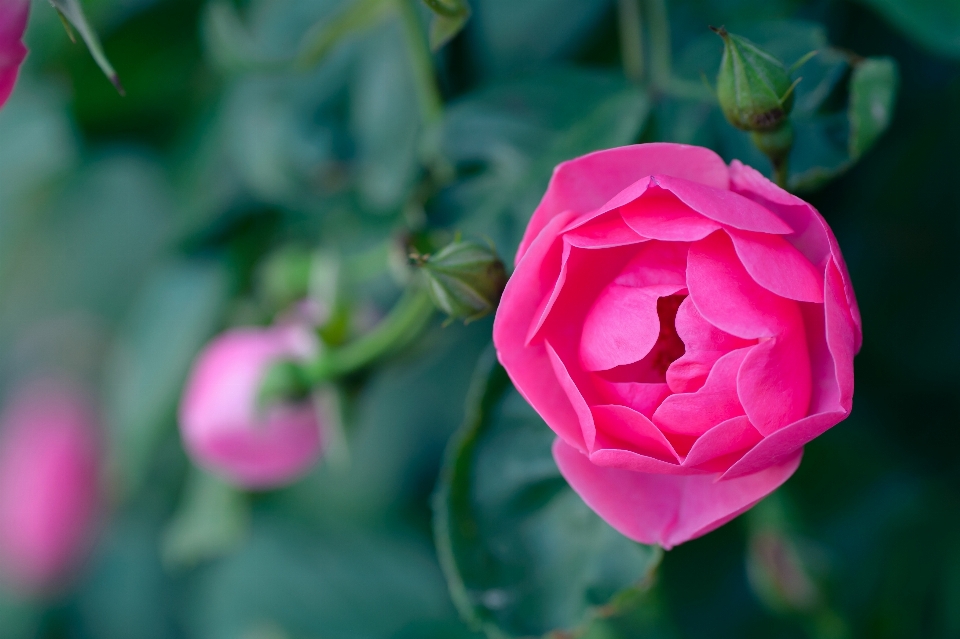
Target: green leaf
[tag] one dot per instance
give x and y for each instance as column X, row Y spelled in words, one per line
column 177, row 311
column 342, row 584
column 444, row 28
column 518, row 131
column 211, row 521
column 873, row 91
column 71, row 12
column 449, row 16
column 522, row 553
column 327, row 34
column 934, row 24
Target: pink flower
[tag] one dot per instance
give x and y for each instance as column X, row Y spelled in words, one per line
column 13, row 22
column 224, row 429
column 49, row 485
column 684, row 327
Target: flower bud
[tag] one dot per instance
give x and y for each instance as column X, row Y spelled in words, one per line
column 49, row 486
column 225, row 426
column 465, row 279
column 753, row 87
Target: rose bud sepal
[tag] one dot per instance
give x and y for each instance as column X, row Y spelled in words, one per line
column 465, row 279
column 753, row 87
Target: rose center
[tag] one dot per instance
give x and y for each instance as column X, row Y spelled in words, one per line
column 652, row 369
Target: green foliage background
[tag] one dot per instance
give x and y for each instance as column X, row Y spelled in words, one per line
column 133, row 229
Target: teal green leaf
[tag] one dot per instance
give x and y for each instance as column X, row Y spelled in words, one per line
column 873, row 91
column 72, row 13
column 211, row 521
column 177, row 311
column 934, row 24
column 518, row 131
column 522, row 553
column 342, row 584
column 327, row 34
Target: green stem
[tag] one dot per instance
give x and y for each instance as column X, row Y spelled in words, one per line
column 780, row 174
column 428, row 93
column 404, row 322
column 631, row 39
column 660, row 57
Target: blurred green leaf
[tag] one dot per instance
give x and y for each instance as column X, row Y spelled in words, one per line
column 176, row 312
column 353, row 584
column 126, row 589
column 934, row 24
column 385, row 117
column 873, row 91
column 449, row 17
column 18, row 619
column 508, row 138
column 522, row 553
column 326, row 34
column 508, row 37
column 72, row 13
column 211, row 521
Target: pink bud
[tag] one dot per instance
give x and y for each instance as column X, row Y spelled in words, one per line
column 13, row 22
column 49, row 485
column 223, row 427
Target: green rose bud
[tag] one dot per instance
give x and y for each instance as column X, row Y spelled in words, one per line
column 465, row 279
column 753, row 87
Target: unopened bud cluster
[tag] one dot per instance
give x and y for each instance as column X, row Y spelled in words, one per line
column 465, row 279
column 756, row 95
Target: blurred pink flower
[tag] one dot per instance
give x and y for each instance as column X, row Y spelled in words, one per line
column 49, row 485
column 223, row 428
column 685, row 327
column 13, row 22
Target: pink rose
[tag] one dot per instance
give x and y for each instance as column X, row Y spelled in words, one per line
column 684, row 327
column 49, row 485
column 13, row 22
column 223, row 427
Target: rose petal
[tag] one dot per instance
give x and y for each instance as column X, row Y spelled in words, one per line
column 641, row 397
column 529, row 367
column 660, row 215
column 656, row 263
column 835, row 400
column 588, row 430
column 704, row 344
column 774, row 382
column 603, row 232
column 812, row 235
column 777, row 266
column 726, row 207
column 587, row 182
column 696, row 413
column 622, row 326
column 634, row 430
column 727, row 297
column 13, row 22
column 715, row 449
column 665, row 509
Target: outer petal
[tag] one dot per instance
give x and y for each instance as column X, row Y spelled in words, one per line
column 635, row 430
column 530, row 367
column 811, row 233
column 665, row 509
column 716, row 449
column 832, row 372
column 587, row 182
column 726, row 207
column 660, row 215
column 13, row 22
column 777, row 266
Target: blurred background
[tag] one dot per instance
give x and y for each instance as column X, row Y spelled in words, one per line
column 264, row 139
